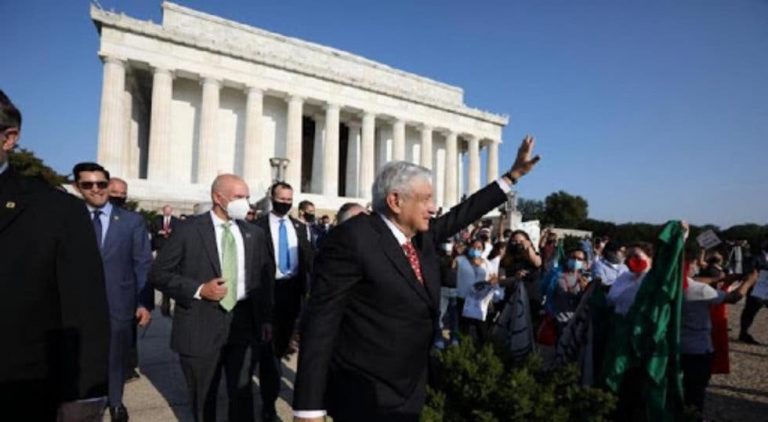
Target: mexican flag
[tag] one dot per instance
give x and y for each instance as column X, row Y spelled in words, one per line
column 647, row 339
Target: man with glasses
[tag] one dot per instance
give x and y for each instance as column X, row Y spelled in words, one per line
column 55, row 318
column 123, row 241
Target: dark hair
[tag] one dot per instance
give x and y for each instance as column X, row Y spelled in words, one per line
column 646, row 247
column 521, row 232
column 612, row 246
column 508, row 232
column 87, row 166
column 10, row 116
column 276, row 185
column 341, row 215
column 571, row 251
column 304, row 204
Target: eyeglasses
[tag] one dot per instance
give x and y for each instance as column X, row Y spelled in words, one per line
column 89, row 185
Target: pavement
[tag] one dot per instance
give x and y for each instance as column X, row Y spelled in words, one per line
column 160, row 394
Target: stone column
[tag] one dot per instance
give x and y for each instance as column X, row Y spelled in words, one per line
column 331, row 151
column 207, row 161
column 367, row 158
column 293, row 142
column 398, row 135
column 111, row 118
column 317, row 154
column 492, row 165
column 473, row 184
column 353, row 160
column 255, row 163
column 159, row 160
column 451, row 169
column 130, row 158
column 426, row 146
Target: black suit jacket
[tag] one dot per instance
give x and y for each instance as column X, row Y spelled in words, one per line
column 158, row 240
column 191, row 258
column 306, row 252
column 368, row 325
column 54, row 317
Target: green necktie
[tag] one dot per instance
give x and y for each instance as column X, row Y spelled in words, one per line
column 229, row 267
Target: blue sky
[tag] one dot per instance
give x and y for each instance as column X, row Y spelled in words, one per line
column 650, row 110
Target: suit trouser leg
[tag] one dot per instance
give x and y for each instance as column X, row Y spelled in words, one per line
column 270, row 373
column 751, row 307
column 202, row 374
column 238, row 366
column 119, row 347
column 132, row 359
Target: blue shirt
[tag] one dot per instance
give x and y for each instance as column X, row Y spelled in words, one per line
column 3, row 167
column 106, row 213
column 606, row 271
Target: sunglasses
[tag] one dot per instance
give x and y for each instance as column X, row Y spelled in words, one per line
column 89, row 185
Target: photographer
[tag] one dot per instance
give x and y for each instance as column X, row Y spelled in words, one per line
column 521, row 262
column 753, row 304
column 571, row 283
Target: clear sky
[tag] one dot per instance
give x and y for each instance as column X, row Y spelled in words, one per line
column 650, row 110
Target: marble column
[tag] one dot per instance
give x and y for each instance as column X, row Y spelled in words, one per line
column 111, row 116
column 367, row 155
column 128, row 169
column 331, row 151
column 473, row 184
column 492, row 166
column 353, row 160
column 451, row 169
column 317, row 154
column 426, row 146
column 293, row 142
column 398, row 135
column 159, row 160
column 207, row 162
column 255, row 164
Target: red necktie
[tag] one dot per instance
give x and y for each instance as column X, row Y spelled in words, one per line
column 165, row 223
column 413, row 259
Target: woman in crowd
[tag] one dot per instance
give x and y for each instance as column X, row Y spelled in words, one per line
column 696, row 347
column 449, row 315
column 570, row 284
column 522, row 262
column 639, row 261
column 472, row 268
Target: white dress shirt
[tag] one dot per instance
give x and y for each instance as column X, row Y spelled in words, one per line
column 401, row 240
column 218, row 225
column 293, row 245
column 3, row 167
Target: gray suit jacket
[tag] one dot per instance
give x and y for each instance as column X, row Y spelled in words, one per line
column 191, row 258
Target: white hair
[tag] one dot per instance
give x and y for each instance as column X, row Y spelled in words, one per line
column 396, row 176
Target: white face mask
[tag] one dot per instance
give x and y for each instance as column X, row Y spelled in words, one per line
column 238, row 209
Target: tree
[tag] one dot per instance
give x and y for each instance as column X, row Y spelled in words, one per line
column 565, row 210
column 27, row 164
column 531, row 209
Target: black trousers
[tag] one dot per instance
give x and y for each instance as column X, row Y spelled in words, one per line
column 286, row 310
column 751, row 307
column 203, row 375
column 697, row 370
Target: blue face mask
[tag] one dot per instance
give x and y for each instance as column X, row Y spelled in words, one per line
column 474, row 253
column 575, row 265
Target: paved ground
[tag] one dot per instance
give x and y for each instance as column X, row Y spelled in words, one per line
column 160, row 394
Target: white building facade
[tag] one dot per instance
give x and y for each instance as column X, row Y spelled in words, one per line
column 199, row 95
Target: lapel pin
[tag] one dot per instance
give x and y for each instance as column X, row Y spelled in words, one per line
column 115, row 218
column 247, row 235
column 10, row 205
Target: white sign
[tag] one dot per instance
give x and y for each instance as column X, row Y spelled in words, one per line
column 760, row 290
column 708, row 239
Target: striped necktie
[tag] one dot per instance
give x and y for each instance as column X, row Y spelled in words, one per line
column 229, row 266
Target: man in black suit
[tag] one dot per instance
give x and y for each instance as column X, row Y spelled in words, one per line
column 162, row 227
column 123, row 241
column 293, row 254
column 369, row 321
column 220, row 273
column 55, row 319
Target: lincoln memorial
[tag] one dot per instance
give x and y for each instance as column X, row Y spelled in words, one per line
column 199, row 95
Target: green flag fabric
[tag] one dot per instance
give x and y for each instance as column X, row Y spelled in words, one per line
column 648, row 337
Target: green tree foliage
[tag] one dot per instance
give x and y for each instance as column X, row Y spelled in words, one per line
column 531, row 209
column 565, row 210
column 483, row 385
column 27, row 164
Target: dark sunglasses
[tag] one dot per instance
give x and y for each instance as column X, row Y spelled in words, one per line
column 89, row 185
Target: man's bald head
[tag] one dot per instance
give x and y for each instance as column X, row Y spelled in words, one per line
column 225, row 182
column 117, row 187
column 226, row 188
column 167, row 210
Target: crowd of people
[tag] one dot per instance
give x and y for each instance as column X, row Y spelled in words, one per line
column 365, row 300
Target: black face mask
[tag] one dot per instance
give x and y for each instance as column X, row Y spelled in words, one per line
column 281, row 208
column 309, row 218
column 517, row 248
column 612, row 257
column 117, row 201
